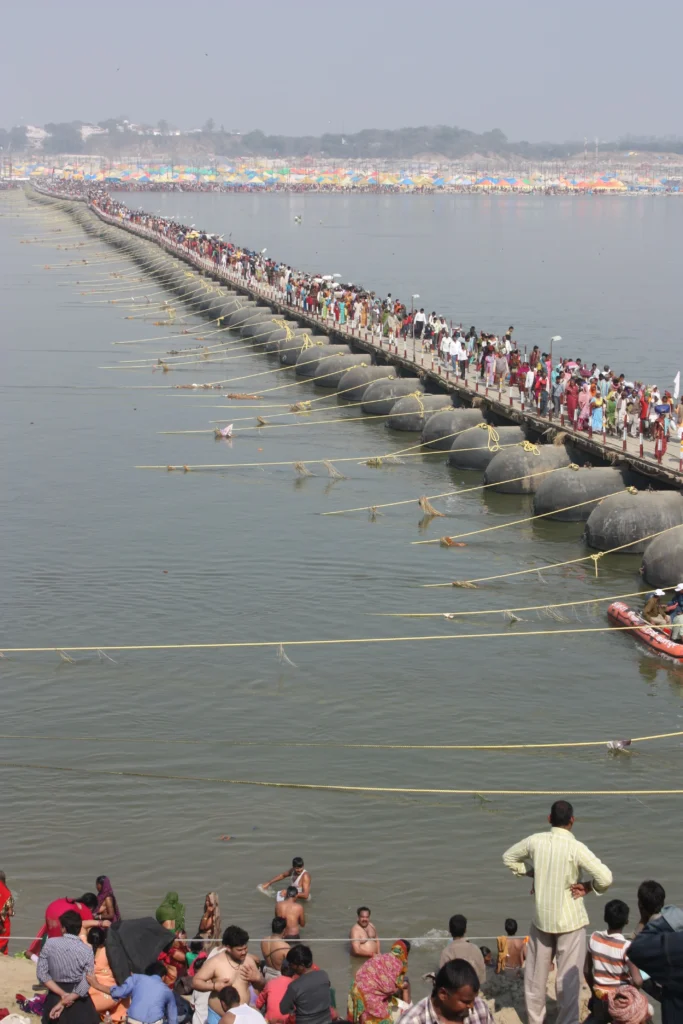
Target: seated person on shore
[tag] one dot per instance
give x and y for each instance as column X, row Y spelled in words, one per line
column 299, row 878
column 274, row 949
column 487, row 955
column 455, row 997
column 363, row 935
column 233, row 966
column 654, row 611
column 150, row 998
column 511, row 951
column 291, row 911
column 607, row 965
column 461, row 949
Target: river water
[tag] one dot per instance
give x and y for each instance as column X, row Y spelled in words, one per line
column 97, row 552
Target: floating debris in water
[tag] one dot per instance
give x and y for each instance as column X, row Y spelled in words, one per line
column 282, row 657
column 333, row 471
column 426, row 506
column 619, row 746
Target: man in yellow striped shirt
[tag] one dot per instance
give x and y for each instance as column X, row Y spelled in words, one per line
column 564, row 871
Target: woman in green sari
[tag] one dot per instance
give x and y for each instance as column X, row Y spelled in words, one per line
column 171, row 913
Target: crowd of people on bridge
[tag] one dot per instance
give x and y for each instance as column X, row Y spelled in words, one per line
column 600, row 401
column 97, row 967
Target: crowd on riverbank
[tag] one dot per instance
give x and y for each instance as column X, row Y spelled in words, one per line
column 96, row 966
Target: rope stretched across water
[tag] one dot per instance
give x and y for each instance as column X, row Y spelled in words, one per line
column 517, row 522
column 503, row 611
column 281, row 644
column 444, row 494
column 334, row 788
column 557, row 565
column 375, row 460
column 346, row 746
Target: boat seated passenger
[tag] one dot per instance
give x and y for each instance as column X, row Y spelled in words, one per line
column 654, row 611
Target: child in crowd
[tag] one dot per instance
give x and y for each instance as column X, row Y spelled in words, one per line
column 607, row 965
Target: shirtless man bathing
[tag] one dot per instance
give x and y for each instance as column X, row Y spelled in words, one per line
column 292, row 912
column 233, row 966
column 299, row 878
column 363, row 935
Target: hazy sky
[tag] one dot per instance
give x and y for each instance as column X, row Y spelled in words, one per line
column 536, row 70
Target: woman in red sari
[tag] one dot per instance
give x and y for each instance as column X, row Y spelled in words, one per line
column 6, row 914
column 572, row 399
column 52, row 929
column 660, row 435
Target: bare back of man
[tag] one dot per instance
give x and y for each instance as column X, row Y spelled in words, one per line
column 274, row 950
column 293, row 914
column 516, row 949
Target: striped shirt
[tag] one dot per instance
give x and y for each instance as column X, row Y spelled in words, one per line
column 609, row 959
column 558, row 861
column 66, row 960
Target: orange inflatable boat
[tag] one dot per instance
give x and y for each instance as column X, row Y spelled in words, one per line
column 655, row 637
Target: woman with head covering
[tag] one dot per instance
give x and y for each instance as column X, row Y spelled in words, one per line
column 210, row 924
column 379, row 984
column 107, row 908
column 171, row 913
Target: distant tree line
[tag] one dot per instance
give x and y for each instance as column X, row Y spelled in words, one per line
column 446, row 141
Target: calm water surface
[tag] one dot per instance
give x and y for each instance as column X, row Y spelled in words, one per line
column 98, row 552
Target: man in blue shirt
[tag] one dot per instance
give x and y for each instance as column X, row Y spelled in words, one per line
column 151, row 1002
column 675, row 610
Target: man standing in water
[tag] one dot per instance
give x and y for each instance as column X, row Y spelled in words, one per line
column 556, row 861
column 293, row 913
column 363, row 935
column 299, row 878
column 232, row 966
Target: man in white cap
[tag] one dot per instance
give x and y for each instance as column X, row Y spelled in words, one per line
column 654, row 611
column 675, row 610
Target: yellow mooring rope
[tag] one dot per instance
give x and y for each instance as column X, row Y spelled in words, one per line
column 346, row 746
column 343, row 789
column 281, row 644
column 516, row 522
column 595, row 558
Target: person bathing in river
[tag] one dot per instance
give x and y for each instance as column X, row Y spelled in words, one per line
column 300, row 879
column 291, row 910
column 363, row 935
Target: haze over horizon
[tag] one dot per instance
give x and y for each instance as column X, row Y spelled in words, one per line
column 538, row 73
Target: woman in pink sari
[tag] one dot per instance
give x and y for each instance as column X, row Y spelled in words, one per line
column 379, row 985
column 584, row 406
